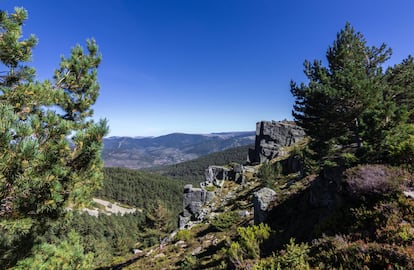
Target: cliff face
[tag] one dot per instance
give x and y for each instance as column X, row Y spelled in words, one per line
column 271, row 136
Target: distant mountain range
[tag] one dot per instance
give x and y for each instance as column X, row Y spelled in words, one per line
column 145, row 152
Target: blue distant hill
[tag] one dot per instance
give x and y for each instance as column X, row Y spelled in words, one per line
column 144, row 152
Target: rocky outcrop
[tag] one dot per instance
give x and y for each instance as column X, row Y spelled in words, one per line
column 216, row 175
column 262, row 201
column 193, row 201
column 271, row 136
column 238, row 173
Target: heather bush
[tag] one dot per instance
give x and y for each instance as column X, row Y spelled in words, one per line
column 372, row 181
column 337, row 252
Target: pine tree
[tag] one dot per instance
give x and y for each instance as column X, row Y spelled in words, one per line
column 331, row 105
column 398, row 137
column 49, row 146
column 400, row 94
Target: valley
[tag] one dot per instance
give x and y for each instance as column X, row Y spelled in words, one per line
column 146, row 152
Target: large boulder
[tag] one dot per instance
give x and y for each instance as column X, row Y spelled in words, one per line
column 238, row 171
column 271, row 136
column 194, row 199
column 262, row 200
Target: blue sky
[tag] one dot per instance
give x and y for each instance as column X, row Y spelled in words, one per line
column 204, row 66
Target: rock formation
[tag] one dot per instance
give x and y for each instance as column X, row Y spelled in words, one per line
column 271, row 136
column 261, row 203
column 217, row 174
column 193, row 201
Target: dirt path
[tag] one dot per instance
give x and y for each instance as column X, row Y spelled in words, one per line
column 110, row 208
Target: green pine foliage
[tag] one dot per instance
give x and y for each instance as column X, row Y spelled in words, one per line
column 67, row 255
column 292, row 257
column 248, row 244
column 353, row 106
column 224, row 221
column 269, row 173
column 331, row 106
column 40, row 173
column 107, row 236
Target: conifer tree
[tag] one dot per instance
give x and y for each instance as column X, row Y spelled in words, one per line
column 398, row 137
column 49, row 146
column 331, row 105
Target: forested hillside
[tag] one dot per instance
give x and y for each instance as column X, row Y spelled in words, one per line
column 141, row 189
column 102, row 239
column 138, row 153
column 193, row 170
column 159, row 200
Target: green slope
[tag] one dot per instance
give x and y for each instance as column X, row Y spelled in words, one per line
column 141, row 189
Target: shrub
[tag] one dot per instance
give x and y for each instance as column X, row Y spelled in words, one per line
column 248, row 246
column 236, row 254
column 266, row 264
column 306, row 155
column 190, row 262
column 336, row 252
column 224, row 221
column 294, row 256
column 348, row 159
column 372, row 180
column 210, row 188
column 252, row 237
column 268, row 173
column 185, row 235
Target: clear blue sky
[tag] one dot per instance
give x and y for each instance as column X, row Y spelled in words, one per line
column 204, row 66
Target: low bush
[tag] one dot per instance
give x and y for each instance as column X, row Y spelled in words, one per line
column 185, row 235
column 247, row 248
column 224, row 221
column 372, row 181
column 269, row 172
column 337, row 252
column 292, row 257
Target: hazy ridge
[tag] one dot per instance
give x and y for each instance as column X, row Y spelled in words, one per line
column 145, row 152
